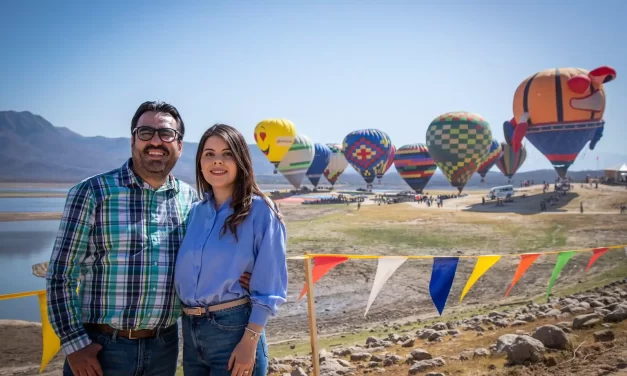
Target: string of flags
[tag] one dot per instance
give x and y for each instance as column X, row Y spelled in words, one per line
column 442, row 276
column 444, row 269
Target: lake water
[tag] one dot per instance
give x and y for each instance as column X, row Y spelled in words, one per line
column 23, row 244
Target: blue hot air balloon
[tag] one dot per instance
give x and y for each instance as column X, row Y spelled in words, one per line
column 367, row 151
column 320, row 162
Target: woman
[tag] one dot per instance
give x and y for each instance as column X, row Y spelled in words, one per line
column 234, row 229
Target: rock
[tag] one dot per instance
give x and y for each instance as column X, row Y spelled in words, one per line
column 466, row 355
column 502, row 323
column 332, row 367
column 342, row 352
column 425, row 333
column 582, row 320
column 618, row 315
column 519, row 323
column 551, row 336
column 420, row 354
column 425, row 365
column 409, row 343
column 394, row 359
column 603, row 336
column 324, row 354
column 504, row 341
column 298, row 372
column 377, row 358
column 360, row 356
column 481, row 353
column 434, row 374
column 527, row 318
column 344, row 362
column 553, row 312
column 436, row 335
column 525, row 349
column 372, row 364
column 439, row 326
column 370, row 340
column 279, row 368
column 453, row 332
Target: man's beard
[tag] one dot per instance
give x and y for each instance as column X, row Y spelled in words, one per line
column 157, row 167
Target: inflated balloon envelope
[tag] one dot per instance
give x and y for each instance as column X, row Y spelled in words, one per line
column 559, row 110
column 458, row 142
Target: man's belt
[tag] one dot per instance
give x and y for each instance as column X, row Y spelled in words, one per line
column 129, row 334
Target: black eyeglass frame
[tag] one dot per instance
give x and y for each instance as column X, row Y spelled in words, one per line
column 177, row 135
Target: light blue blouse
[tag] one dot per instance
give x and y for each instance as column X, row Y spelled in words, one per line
column 208, row 265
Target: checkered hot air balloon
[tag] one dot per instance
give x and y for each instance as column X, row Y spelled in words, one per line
column 457, row 142
column 367, row 151
column 490, row 159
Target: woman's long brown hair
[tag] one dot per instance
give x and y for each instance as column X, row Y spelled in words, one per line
column 245, row 185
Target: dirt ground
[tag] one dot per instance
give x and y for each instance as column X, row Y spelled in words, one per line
column 462, row 227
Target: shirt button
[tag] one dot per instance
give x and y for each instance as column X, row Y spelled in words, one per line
column 154, row 263
column 154, row 289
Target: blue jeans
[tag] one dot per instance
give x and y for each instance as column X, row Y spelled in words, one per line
column 209, row 341
column 129, row 357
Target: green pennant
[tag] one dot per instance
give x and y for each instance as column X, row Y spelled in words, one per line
column 562, row 260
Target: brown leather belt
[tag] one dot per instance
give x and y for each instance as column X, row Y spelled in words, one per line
column 199, row 311
column 129, row 334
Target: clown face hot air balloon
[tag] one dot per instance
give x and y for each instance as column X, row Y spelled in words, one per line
column 388, row 163
column 274, row 137
column 457, row 142
column 415, row 165
column 510, row 161
column 367, row 151
column 319, row 163
column 559, row 111
column 490, row 159
column 297, row 160
column 337, row 163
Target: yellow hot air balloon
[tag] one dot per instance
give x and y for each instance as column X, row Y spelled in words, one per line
column 274, row 137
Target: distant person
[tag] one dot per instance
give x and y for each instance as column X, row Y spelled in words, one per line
column 581, row 207
column 120, row 233
column 234, row 229
column 358, row 206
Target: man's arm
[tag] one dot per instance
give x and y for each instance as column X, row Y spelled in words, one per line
column 70, row 249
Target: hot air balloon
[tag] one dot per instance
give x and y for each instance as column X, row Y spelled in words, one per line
column 337, row 163
column 511, row 161
column 457, row 142
column 296, row 162
column 320, row 162
column 490, row 159
column 559, row 110
column 388, row 163
column 274, row 137
column 415, row 165
column 367, row 151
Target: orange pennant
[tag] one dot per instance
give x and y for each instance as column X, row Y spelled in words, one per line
column 525, row 262
column 322, row 265
column 598, row 252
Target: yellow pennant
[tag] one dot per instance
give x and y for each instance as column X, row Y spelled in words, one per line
column 483, row 264
column 51, row 343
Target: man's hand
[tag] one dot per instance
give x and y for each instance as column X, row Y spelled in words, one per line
column 84, row 362
column 244, row 280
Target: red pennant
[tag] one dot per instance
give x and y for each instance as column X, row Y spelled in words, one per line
column 598, row 252
column 525, row 262
column 322, row 265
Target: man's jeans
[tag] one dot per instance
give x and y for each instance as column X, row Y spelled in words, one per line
column 209, row 341
column 128, row 357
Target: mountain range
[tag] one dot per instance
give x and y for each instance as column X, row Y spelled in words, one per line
column 34, row 150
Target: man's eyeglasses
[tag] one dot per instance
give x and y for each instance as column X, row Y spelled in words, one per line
column 165, row 134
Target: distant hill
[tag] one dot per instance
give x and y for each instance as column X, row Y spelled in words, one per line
column 34, row 150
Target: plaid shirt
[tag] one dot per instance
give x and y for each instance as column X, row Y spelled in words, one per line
column 122, row 238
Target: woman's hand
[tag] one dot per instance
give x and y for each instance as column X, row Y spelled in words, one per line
column 242, row 359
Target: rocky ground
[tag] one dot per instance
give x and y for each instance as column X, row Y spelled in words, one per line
column 583, row 334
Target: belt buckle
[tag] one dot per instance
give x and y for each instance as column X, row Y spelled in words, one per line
column 195, row 311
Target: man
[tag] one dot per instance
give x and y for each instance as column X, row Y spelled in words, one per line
column 120, row 232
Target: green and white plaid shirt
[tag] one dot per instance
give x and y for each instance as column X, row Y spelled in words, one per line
column 122, row 237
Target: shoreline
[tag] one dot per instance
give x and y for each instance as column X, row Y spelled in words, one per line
column 25, row 216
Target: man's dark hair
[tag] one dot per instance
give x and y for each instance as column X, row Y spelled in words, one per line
column 158, row 106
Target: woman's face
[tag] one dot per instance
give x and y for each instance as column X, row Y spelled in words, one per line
column 217, row 164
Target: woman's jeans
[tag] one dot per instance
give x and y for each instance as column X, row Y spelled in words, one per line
column 209, row 341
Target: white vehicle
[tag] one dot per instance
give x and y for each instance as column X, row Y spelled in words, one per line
column 502, row 192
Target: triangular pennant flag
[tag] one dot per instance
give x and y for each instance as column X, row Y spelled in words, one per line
column 51, row 343
column 597, row 252
column 562, row 260
column 483, row 264
column 442, row 276
column 322, row 265
column 385, row 268
column 525, row 262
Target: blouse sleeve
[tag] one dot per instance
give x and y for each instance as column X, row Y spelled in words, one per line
column 268, row 282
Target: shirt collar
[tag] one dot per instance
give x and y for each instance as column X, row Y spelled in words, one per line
column 129, row 179
column 208, row 198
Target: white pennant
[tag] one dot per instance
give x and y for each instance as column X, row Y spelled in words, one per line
column 385, row 269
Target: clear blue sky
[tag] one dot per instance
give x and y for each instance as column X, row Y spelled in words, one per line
column 330, row 66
